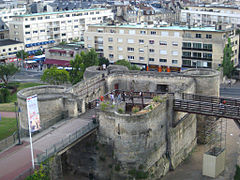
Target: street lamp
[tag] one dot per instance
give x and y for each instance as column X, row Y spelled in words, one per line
column 17, row 115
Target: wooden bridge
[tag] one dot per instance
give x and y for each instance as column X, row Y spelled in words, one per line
column 210, row 106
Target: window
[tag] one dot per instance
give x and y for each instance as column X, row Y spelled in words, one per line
column 28, row 39
column 76, row 20
column 42, row 30
column 186, row 63
column 164, row 33
column 111, row 55
column 174, row 61
column 207, row 46
column 89, row 38
column 208, row 36
column 110, row 47
column 121, row 31
column 85, row 13
column 91, row 13
column 197, row 55
column 175, row 43
column 9, row 49
column 130, row 49
column 151, row 41
column 32, row 19
column 40, row 18
column 34, row 32
column 236, row 51
column 197, row 45
column 15, row 48
column 151, row 59
column 67, row 15
column 142, row 32
column 100, row 30
column 63, row 34
column 151, row 50
column 187, row 45
column 176, row 34
column 207, row 55
column 186, row 54
column 27, row 32
column 163, row 60
column 130, row 57
column 120, row 57
column 141, row 41
column 130, row 40
column 120, row 40
column 110, row 39
column 76, row 26
column 153, row 33
column 198, row 36
column 97, row 12
column 163, row 52
column 174, row 53
column 131, row 31
column 120, row 48
column 27, row 26
column 141, row 50
column 141, row 58
column 163, row 42
column 89, row 46
column 99, row 18
column 112, row 31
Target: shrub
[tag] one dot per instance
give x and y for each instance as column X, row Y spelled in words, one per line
column 237, row 174
column 140, row 167
column 102, row 158
column 120, row 110
column 150, row 107
column 157, row 99
column 103, row 106
column 138, row 174
column 4, row 95
column 135, row 109
column 117, row 167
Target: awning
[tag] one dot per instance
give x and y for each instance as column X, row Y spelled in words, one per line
column 57, row 62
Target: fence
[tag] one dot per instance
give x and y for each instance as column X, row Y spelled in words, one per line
column 9, row 141
column 65, row 142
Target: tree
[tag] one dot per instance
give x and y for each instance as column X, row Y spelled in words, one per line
column 80, row 63
column 55, row 76
column 22, row 54
column 7, row 71
column 90, row 58
column 123, row 62
column 76, row 74
column 227, row 63
column 39, row 52
column 103, row 60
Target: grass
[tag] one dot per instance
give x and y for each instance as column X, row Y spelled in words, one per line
column 9, row 107
column 7, row 127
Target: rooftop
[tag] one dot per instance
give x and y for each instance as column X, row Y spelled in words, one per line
column 6, row 42
column 142, row 26
column 60, row 12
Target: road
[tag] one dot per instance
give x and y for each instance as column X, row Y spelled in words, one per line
column 27, row 76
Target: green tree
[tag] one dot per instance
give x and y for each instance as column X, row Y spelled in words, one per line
column 39, row 52
column 7, row 71
column 90, row 58
column 80, row 63
column 227, row 63
column 123, row 62
column 103, row 60
column 76, row 74
column 22, row 54
column 55, row 76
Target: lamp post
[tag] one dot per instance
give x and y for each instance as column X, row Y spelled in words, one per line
column 18, row 133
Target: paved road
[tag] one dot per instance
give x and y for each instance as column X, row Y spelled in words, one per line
column 27, row 76
column 18, row 159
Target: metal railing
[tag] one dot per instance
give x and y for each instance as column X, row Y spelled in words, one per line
column 9, row 141
column 63, row 143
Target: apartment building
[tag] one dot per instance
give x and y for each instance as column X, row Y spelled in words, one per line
column 161, row 48
column 205, row 16
column 6, row 14
column 9, row 49
column 42, row 30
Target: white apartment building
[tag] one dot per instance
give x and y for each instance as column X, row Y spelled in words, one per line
column 6, row 14
column 205, row 16
column 158, row 48
column 43, row 29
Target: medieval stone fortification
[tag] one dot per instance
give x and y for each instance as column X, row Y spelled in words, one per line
column 152, row 141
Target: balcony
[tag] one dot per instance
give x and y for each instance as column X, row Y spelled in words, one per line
column 98, row 42
column 197, row 58
column 196, row 49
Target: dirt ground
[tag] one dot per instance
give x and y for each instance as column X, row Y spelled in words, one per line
column 191, row 168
